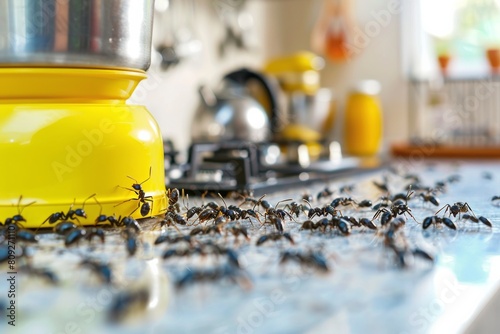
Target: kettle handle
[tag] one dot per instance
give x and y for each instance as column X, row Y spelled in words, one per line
column 242, row 76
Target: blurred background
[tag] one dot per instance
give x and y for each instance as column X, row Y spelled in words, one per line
column 415, row 51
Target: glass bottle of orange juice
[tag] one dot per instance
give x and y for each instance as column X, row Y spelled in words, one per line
column 363, row 120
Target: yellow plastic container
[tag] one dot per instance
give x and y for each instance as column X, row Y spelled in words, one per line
column 363, row 120
column 66, row 134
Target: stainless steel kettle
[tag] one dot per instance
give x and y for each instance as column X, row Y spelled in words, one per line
column 232, row 114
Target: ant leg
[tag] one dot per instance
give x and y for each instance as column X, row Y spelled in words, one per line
column 447, row 206
column 125, row 201
column 467, row 206
column 138, row 206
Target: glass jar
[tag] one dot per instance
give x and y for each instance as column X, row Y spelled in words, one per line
column 363, row 120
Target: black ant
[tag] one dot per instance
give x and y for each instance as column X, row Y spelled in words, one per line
column 206, row 230
column 324, row 211
column 103, row 271
column 428, row 197
column 382, row 186
column 343, row 224
column 95, row 232
column 173, row 198
column 326, row 192
column 295, row 208
column 173, row 239
column 143, row 200
column 307, row 197
column 237, row 229
column 323, row 223
column 70, row 215
column 343, row 201
column 436, row 220
column 44, row 273
column 456, row 209
column 131, row 240
column 64, row 227
column 27, row 236
column 74, row 235
column 274, row 236
column 311, row 259
column 398, row 207
column 347, row 189
column 104, row 219
column 124, row 302
column 16, row 219
column 271, row 211
column 475, row 219
column 366, row 222
column 236, row 275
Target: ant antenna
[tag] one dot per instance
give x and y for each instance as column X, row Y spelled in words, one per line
column 149, row 176
column 285, row 200
column 222, row 198
column 20, row 210
column 258, row 201
column 308, row 203
column 83, row 204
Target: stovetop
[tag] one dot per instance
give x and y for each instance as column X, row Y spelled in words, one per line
column 256, row 168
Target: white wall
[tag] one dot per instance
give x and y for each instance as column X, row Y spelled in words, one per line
column 282, row 26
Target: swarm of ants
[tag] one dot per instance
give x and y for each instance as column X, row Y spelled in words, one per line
column 213, row 231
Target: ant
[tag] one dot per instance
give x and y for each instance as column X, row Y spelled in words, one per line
column 382, row 186
column 311, row 259
column 143, row 200
column 475, row 219
column 44, row 273
column 104, row 218
column 428, row 197
column 74, row 235
column 342, row 223
column 275, row 237
column 173, row 198
column 324, row 211
column 457, row 208
column 16, row 219
column 295, row 208
column 131, row 240
column 398, row 207
column 64, row 227
column 436, row 220
column 307, row 197
column 27, row 236
column 70, row 215
column 326, row 192
column 126, row 301
column 347, row 189
column 234, row 274
column 323, row 223
column 206, row 230
column 173, row 239
column 237, row 229
column 103, row 271
column 344, row 201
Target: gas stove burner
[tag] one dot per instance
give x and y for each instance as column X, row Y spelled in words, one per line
column 261, row 168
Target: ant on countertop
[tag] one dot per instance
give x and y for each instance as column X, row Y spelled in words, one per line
column 143, row 200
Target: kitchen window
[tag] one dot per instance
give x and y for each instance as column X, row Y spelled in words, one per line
column 452, row 59
column 462, row 32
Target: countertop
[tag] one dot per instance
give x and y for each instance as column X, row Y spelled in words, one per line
column 364, row 291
